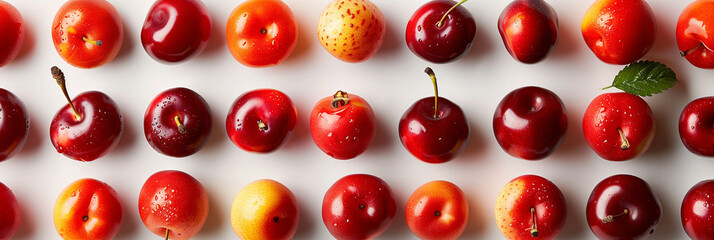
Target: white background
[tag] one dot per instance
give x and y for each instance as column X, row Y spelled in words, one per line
column 391, row 81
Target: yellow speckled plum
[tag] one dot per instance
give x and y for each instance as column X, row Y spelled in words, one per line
column 265, row 209
column 351, row 30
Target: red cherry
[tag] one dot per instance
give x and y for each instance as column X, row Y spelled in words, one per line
column 698, row 210
column 14, row 124
column 176, row 30
column 696, row 126
column 529, row 29
column 9, row 213
column 440, row 34
column 343, row 125
column 261, row 120
column 13, row 32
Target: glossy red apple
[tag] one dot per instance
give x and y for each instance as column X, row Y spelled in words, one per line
column 623, row 207
column 437, row 210
column 358, row 206
column 530, row 123
column 530, row 207
column 177, row 122
column 172, row 204
column 14, row 124
column 87, row 33
column 176, row 30
column 698, row 210
column 695, row 33
column 618, row 126
column 261, row 120
column 343, row 125
column 696, row 126
column 619, row 31
column 434, row 130
column 529, row 29
column 88, row 209
column 88, row 127
column 440, row 34
column 9, row 213
column 12, row 27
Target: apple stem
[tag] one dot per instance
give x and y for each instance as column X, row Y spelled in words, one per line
column 688, row 51
column 534, row 230
column 340, row 99
column 436, row 89
column 610, row 218
column 625, row 144
column 262, row 126
column 58, row 75
column 181, row 127
column 166, row 237
column 95, row 42
column 441, row 22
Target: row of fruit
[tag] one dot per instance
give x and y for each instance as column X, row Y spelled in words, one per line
column 260, row 33
column 175, row 205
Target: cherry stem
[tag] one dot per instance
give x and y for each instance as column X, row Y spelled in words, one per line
column 181, row 127
column 58, row 75
column 436, row 89
column 262, row 126
column 95, row 42
column 688, row 51
column 610, row 218
column 340, row 99
column 534, row 230
column 441, row 22
column 625, row 144
column 166, row 237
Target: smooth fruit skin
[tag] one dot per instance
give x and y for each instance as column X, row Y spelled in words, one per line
column 261, row 33
column 14, row 124
column 261, row 120
column 529, row 29
column 174, row 200
column 265, row 209
column 437, row 210
column 434, row 139
column 162, row 131
column 93, row 19
column 696, row 126
column 697, row 211
column 611, row 112
column 345, row 131
column 94, row 134
column 176, row 30
column 12, row 27
column 351, row 30
column 519, row 196
column 530, row 123
column 619, row 31
column 88, row 209
column 9, row 213
column 442, row 44
column 358, row 206
column 615, row 194
column 694, row 27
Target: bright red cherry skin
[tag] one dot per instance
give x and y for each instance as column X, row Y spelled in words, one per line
column 358, row 206
column 530, row 123
column 698, row 210
column 618, row 126
column 430, row 137
column 529, row 29
column 695, row 33
column 164, row 133
column 445, row 43
column 12, row 27
column 261, row 120
column 14, row 124
column 635, row 211
column 343, row 125
column 91, row 135
column 696, row 126
column 176, row 30
column 9, row 213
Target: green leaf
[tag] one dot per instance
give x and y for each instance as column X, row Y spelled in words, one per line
column 644, row 78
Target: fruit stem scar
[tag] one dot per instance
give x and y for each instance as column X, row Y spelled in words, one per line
column 534, row 229
column 610, row 218
column 441, row 22
column 437, row 213
column 95, row 42
column 181, row 127
column 166, row 237
column 688, row 51
column 58, row 75
column 85, row 218
column 625, row 144
column 361, row 206
column 263, row 31
column 340, row 99
column 262, row 126
column 436, row 89
column 276, row 219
